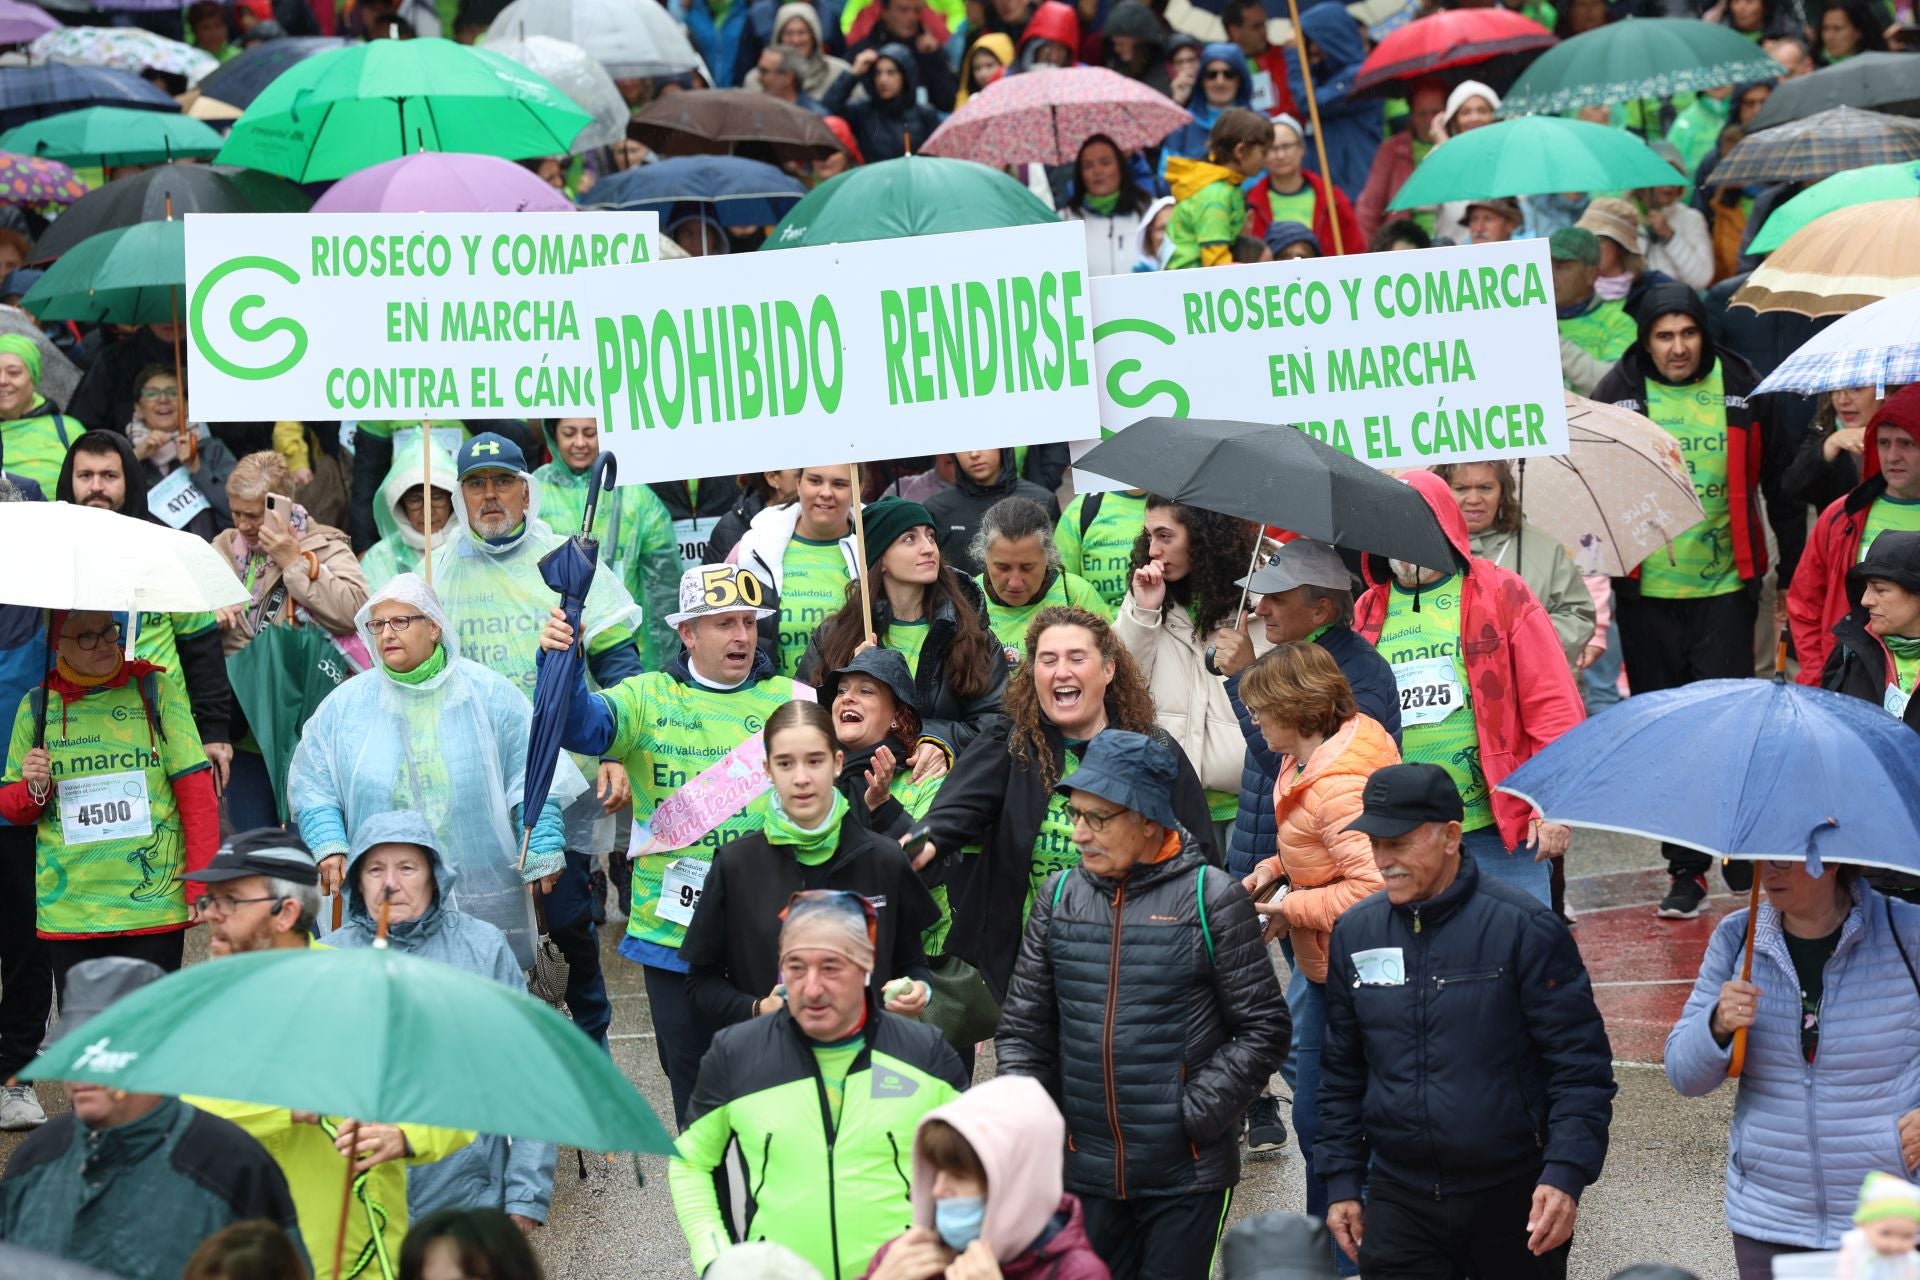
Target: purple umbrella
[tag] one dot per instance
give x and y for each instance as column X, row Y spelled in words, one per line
column 443, row 182
column 20, row 23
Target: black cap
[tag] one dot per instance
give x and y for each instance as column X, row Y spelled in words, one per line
column 268, row 851
column 93, row 985
column 1401, row 797
column 885, row 665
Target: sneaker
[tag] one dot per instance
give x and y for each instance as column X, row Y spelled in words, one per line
column 1683, row 901
column 1264, row 1130
column 19, row 1109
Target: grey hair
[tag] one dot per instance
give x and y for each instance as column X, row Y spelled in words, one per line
column 306, row 895
column 1342, row 602
column 1015, row 519
column 788, row 59
column 10, row 492
column 761, row 1260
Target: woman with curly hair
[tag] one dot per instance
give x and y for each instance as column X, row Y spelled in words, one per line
column 1186, row 564
column 1075, row 681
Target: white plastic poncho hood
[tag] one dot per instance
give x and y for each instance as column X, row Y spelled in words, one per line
column 409, row 469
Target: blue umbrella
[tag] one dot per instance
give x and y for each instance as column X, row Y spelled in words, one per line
column 34, row 93
column 744, row 193
column 239, row 81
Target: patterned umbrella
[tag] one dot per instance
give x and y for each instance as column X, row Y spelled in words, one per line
column 29, row 181
column 1840, row 262
column 1450, row 40
column 20, row 22
column 1877, row 346
column 1818, row 147
column 1044, row 117
column 33, row 93
column 1636, row 58
column 128, row 48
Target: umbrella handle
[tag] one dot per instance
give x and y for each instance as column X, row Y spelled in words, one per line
column 606, row 470
column 1738, row 1058
column 346, row 1203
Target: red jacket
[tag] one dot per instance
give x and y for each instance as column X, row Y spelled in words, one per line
column 1818, row 596
column 1523, row 692
column 1260, row 216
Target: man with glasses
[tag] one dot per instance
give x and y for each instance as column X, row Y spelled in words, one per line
column 1141, row 967
column 779, row 69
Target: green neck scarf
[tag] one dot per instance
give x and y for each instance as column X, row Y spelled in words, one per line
column 1103, row 205
column 810, row 847
column 1907, row 647
column 426, row 671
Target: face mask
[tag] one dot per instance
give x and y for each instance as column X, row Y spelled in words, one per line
column 1614, row 288
column 958, row 1220
column 1164, row 254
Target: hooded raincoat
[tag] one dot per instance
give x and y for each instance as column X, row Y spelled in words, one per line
column 817, row 69
column 1190, row 140
column 491, row 1172
column 1210, row 213
column 1134, row 20
column 1860, row 663
column 1350, row 125
column 885, row 128
column 402, row 550
column 451, row 749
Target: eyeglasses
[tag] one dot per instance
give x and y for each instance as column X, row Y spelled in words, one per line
column 410, row 502
column 399, row 624
column 88, row 641
column 159, row 393
column 222, row 905
column 1221, row 73
column 1096, row 822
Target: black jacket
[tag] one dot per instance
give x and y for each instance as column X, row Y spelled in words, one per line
column 885, row 129
column 732, row 948
column 1149, row 1009
column 930, row 69
column 104, row 399
column 992, row 800
column 1131, row 18
column 732, row 526
column 1857, row 666
column 714, row 496
column 958, row 509
column 1488, row 1063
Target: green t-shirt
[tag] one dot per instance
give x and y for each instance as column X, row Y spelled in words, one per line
column 836, row 1063
column 1889, row 512
column 907, row 639
column 158, row 642
column 1436, row 704
column 110, row 848
column 916, row 798
column 1906, row 669
column 1103, row 555
column 1009, row 622
column 1297, row 207
column 1702, row 563
column 1604, row 331
column 1054, row 849
column 813, row 586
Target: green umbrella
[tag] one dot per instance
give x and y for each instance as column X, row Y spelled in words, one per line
column 340, row 112
column 1841, row 191
column 113, row 136
column 1535, row 155
column 129, row 275
column 366, row 1032
column 1636, row 58
column 911, row 196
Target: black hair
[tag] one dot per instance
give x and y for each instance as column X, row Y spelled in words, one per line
column 1233, row 13
column 1861, row 18
column 489, row 1245
column 1392, row 233
column 1133, row 197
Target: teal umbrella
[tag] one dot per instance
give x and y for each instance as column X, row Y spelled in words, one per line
column 1842, row 191
column 1636, row 58
column 911, row 196
column 1535, row 155
column 130, row 275
column 113, row 136
column 340, row 112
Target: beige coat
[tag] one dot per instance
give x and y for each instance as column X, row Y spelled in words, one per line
column 1189, row 703
column 332, row 597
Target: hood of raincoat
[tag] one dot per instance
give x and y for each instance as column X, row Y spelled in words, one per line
column 810, row 65
column 410, row 467
column 1902, row 410
column 1131, row 18
column 1461, row 92
column 1187, row 177
column 1054, row 21
column 529, row 520
column 1439, row 498
column 1140, row 254
column 1228, row 52
column 411, row 590
column 1333, row 30
column 1016, row 1131
column 902, row 57
column 136, row 477
column 397, row 827
column 1000, row 45
column 1668, row 300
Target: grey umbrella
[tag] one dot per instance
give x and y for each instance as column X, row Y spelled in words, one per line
column 1888, row 82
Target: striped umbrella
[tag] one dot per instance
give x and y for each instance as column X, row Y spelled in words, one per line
column 1840, row 262
column 1044, row 117
column 1877, row 346
column 1819, row 147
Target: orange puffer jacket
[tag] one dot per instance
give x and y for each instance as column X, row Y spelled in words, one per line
column 1330, row 868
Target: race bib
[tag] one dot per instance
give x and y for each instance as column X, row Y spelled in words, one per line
column 1263, row 94
column 1429, row 690
column 692, row 535
column 1896, row 702
column 176, row 500
column 680, row 889
column 1380, row 967
column 107, row 806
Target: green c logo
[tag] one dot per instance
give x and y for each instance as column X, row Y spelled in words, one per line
column 1120, row 368
column 241, row 327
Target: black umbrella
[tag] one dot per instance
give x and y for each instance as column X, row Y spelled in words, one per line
column 1274, row 475
column 145, row 197
column 1888, row 82
column 239, row 81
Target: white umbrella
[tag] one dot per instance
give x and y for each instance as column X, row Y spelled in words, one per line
column 573, row 71
column 125, row 48
column 630, row 38
column 1877, row 346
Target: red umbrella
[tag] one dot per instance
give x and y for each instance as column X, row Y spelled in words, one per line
column 1451, row 40
column 1044, row 117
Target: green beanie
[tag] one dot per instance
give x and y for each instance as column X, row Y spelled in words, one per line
column 18, row 344
column 1574, row 244
column 886, row 520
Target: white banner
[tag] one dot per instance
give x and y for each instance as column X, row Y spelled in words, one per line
column 376, row 315
column 843, row 353
column 1400, row 359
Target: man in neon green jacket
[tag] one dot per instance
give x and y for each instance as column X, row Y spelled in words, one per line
column 839, row 1081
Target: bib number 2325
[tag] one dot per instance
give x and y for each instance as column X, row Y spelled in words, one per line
column 1429, row 690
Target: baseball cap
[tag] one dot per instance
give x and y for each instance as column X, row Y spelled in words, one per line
column 490, row 451
column 1574, row 244
column 1401, row 797
column 268, row 851
column 1301, row 563
column 710, row 589
column 92, row 986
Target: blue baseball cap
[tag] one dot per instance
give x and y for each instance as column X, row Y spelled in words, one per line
column 490, row 451
column 1128, row 769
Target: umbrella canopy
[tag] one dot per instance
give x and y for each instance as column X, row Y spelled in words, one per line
column 130, row 275
column 242, row 78
column 572, row 71
column 31, row 181
column 1621, row 493
column 1803, row 773
column 1449, row 40
column 443, row 182
column 1274, row 475
column 632, row 41
column 337, row 113
column 128, row 48
column 1877, row 346
column 34, row 93
column 1637, row 58
column 1840, row 262
column 1046, row 119
column 1887, row 82
column 719, row 121
column 1533, row 156
column 87, row 558
column 20, row 22
column 744, row 193
column 148, row 196
column 911, row 196
column 1818, row 147
column 113, row 136
column 1842, row 191
column 367, row 1032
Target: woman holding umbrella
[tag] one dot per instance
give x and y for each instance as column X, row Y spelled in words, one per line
column 33, row 434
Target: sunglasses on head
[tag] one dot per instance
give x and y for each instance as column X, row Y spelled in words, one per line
column 839, row 898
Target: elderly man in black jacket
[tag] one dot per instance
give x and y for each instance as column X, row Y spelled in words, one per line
column 1466, row 1080
column 1144, row 999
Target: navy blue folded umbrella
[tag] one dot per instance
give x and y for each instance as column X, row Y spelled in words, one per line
column 744, row 193
column 34, row 93
column 568, row 569
column 239, row 81
column 1746, row 769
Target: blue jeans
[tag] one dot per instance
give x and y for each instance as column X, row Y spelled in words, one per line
column 1516, row 869
column 1600, row 683
column 1307, row 1002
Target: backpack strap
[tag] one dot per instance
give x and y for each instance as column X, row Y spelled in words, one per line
column 1059, row 887
column 1089, row 512
column 1200, row 899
